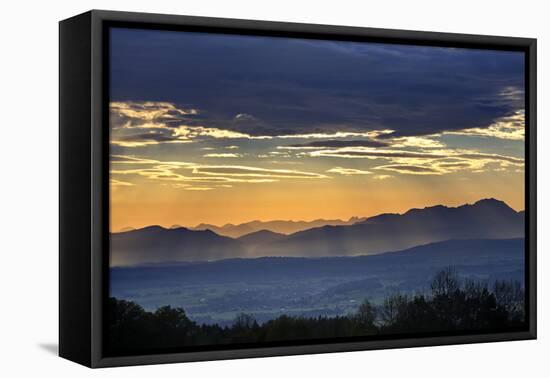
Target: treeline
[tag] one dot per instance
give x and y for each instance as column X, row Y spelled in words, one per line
column 449, row 305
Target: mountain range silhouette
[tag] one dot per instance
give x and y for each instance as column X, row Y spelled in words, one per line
column 485, row 219
column 279, row 226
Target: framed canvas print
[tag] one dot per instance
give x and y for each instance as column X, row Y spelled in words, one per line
column 234, row 188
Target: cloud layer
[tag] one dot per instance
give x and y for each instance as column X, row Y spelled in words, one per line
column 192, row 176
column 203, row 111
column 267, row 86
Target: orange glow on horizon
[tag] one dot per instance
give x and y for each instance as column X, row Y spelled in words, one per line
column 139, row 206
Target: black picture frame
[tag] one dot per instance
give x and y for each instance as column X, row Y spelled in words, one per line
column 83, row 180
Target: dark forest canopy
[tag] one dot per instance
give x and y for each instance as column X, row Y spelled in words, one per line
column 451, row 305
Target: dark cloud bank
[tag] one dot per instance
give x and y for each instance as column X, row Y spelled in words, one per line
column 287, row 86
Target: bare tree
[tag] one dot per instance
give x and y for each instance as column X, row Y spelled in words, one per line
column 366, row 315
column 445, row 282
column 392, row 307
column 510, row 296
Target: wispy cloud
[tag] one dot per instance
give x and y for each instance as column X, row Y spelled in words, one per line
column 348, row 171
column 150, row 110
column 152, row 137
column 374, row 153
column 411, row 169
column 114, row 183
column 244, row 117
column 511, row 127
column 416, row 141
column 186, row 175
column 193, row 132
column 424, row 161
column 222, row 155
column 244, row 171
column 337, row 143
column 371, row 134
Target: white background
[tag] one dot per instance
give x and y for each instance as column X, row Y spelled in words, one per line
column 29, row 188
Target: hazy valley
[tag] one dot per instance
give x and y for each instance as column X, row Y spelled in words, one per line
column 325, row 271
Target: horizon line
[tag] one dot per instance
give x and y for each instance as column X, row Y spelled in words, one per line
column 175, row 225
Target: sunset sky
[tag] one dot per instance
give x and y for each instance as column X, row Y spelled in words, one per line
column 227, row 129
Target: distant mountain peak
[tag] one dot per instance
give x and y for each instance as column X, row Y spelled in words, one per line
column 278, row 226
column 482, row 203
column 154, row 227
column 490, row 202
column 146, row 229
column 158, row 228
column 427, row 208
column 263, row 232
column 355, row 219
column 206, row 231
column 261, row 237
